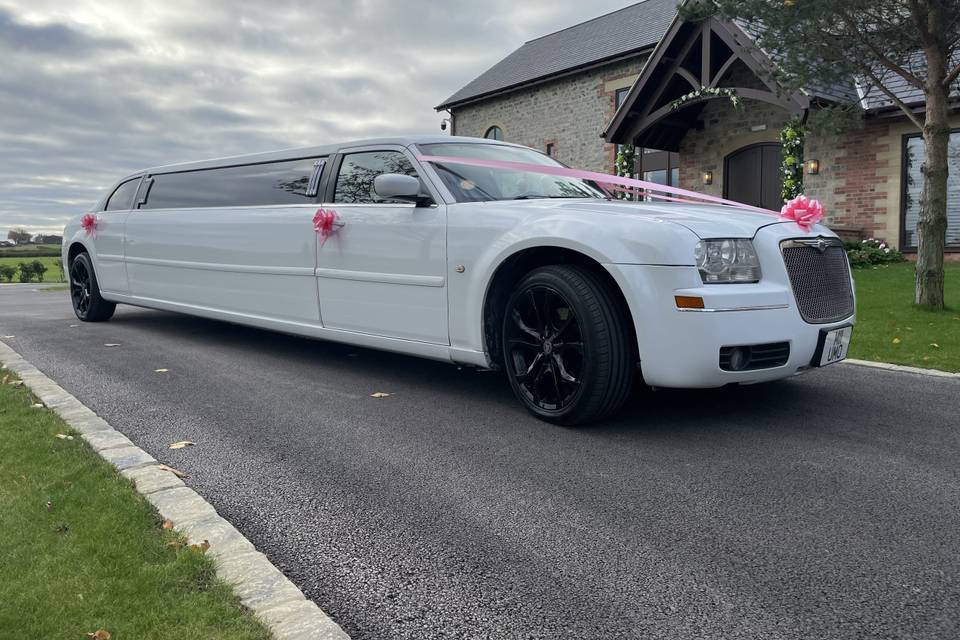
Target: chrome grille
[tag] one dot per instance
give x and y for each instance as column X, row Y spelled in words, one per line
column 820, row 276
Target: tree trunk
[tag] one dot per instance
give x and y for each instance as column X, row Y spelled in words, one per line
column 932, row 225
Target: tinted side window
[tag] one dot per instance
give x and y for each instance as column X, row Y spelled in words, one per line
column 122, row 197
column 355, row 180
column 250, row 185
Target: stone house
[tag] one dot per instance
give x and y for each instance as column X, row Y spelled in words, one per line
column 699, row 102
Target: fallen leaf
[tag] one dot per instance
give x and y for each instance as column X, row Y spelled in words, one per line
column 202, row 547
column 74, row 325
column 37, row 405
column 934, row 345
column 15, row 383
column 896, row 341
column 176, row 472
column 379, row 394
column 111, row 344
column 167, row 524
column 182, row 444
column 9, row 336
column 160, row 370
column 64, row 436
column 176, row 544
column 99, row 634
column 5, row 378
column 49, row 506
column 925, row 358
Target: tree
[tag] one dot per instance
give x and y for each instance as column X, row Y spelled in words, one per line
column 38, row 269
column 7, row 271
column 883, row 43
column 18, row 235
column 26, row 272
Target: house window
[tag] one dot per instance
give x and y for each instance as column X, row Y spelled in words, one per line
column 494, row 133
column 551, row 149
column 621, row 95
column 662, row 167
column 913, row 156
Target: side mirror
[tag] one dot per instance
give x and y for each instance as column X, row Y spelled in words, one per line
column 396, row 186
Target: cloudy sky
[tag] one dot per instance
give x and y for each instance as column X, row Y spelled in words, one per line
column 92, row 89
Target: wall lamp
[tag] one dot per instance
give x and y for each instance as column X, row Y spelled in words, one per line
column 708, row 177
column 813, row 167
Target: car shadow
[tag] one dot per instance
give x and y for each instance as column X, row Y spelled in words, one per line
column 761, row 406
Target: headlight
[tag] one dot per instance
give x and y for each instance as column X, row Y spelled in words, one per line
column 726, row 261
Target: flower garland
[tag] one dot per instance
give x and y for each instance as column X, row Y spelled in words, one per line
column 718, row 92
column 626, row 159
column 791, row 138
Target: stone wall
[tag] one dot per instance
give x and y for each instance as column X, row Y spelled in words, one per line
column 569, row 112
column 725, row 130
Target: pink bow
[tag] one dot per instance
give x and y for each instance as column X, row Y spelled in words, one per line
column 89, row 224
column 325, row 223
column 805, row 211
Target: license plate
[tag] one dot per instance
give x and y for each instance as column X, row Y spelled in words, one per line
column 834, row 346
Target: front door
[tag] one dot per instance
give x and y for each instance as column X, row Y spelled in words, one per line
column 108, row 238
column 753, row 175
column 384, row 271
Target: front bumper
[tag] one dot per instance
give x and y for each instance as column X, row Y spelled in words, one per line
column 680, row 348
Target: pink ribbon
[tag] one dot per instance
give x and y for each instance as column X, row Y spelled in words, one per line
column 89, row 224
column 627, row 185
column 804, row 211
column 324, row 223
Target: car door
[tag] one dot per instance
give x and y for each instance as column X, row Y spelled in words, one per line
column 108, row 237
column 384, row 270
column 235, row 240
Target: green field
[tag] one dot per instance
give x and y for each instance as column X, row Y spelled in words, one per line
column 53, row 271
column 33, row 250
column 890, row 328
column 82, row 551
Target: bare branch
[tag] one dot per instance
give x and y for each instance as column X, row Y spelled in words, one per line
column 954, row 73
column 890, row 94
column 882, row 57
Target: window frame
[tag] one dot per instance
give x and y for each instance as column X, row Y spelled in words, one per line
column 133, row 201
column 142, row 196
column 328, row 181
column 486, row 134
column 902, row 236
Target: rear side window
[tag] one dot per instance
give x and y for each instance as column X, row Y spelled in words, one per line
column 249, row 185
column 122, row 197
column 357, row 171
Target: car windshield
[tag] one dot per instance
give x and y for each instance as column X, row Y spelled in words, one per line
column 479, row 184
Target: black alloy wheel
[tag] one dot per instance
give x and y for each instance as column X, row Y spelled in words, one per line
column 88, row 305
column 566, row 345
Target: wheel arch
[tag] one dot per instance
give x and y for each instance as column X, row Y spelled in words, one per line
column 516, row 265
column 75, row 249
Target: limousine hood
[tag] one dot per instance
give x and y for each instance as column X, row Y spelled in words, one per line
column 706, row 221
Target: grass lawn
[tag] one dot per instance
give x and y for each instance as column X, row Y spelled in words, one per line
column 890, row 328
column 53, row 271
column 82, row 551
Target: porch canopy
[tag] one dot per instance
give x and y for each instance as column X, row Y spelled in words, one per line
column 695, row 62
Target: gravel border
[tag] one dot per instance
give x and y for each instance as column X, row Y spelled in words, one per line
column 261, row 587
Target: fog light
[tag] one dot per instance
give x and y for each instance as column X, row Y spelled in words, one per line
column 739, row 358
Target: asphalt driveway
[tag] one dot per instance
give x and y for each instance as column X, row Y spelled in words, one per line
column 827, row 506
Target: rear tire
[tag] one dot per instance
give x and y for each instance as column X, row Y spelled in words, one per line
column 566, row 346
column 88, row 305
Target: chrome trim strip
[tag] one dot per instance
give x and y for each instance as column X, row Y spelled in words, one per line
column 109, row 257
column 384, row 278
column 233, row 268
column 765, row 307
column 813, row 243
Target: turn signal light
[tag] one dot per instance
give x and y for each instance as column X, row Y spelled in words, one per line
column 689, row 302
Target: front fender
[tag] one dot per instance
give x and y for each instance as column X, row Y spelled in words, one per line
column 481, row 246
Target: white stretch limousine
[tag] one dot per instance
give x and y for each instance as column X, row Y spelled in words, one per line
column 544, row 276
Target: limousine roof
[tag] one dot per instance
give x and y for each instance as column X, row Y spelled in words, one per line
column 307, row 152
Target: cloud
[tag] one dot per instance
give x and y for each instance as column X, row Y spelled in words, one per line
column 93, row 89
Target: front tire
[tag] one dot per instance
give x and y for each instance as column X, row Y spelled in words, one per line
column 88, row 305
column 566, row 345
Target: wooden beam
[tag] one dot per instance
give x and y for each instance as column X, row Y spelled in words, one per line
column 705, row 47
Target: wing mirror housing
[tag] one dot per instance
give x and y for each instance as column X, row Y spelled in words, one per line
column 396, row 186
